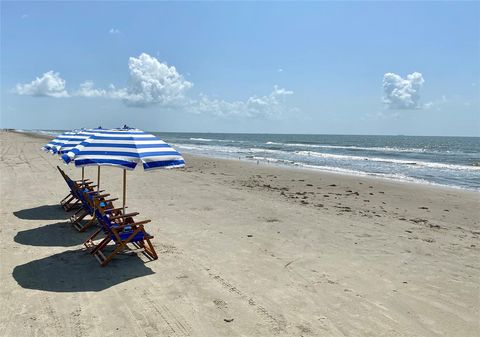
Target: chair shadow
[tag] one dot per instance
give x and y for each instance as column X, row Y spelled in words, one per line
column 44, row 212
column 78, row 271
column 57, row 234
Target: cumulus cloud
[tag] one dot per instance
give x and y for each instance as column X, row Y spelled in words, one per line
column 49, row 84
column 114, row 31
column 152, row 82
column 87, row 90
column 402, row 93
column 255, row 106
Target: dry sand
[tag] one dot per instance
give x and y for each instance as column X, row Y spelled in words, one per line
column 278, row 251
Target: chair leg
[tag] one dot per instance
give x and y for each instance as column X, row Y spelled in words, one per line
column 67, row 204
column 78, row 226
column 88, row 243
column 101, row 245
column 70, row 206
column 76, row 219
column 117, row 250
column 65, row 201
column 78, row 211
column 121, row 245
column 150, row 251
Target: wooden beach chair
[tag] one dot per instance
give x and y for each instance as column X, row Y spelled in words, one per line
column 87, row 197
column 72, row 200
column 83, row 194
column 122, row 230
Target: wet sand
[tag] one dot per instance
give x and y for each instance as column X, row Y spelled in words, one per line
column 244, row 250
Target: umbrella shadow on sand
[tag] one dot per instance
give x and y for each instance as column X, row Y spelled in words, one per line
column 44, row 212
column 78, row 271
column 53, row 235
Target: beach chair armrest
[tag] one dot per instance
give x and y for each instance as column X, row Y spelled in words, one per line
column 112, row 199
column 139, row 223
column 113, row 209
column 82, row 180
column 124, row 216
column 119, row 228
column 90, row 192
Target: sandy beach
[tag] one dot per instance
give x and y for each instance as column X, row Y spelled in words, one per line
column 244, row 250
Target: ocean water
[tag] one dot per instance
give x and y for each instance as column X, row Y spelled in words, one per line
column 451, row 161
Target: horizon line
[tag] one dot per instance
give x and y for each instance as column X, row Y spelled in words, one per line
column 272, row 133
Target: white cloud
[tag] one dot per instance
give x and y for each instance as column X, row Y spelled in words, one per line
column 49, row 84
column 24, row 16
column 280, row 70
column 152, row 82
column 87, row 90
column 271, row 105
column 400, row 93
column 114, row 31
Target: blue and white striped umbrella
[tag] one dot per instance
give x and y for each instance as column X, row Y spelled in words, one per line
column 54, row 144
column 124, row 148
column 70, row 142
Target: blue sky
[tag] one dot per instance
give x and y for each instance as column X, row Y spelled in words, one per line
column 336, row 68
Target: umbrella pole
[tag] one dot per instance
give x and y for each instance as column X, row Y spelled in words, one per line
column 98, row 179
column 83, row 173
column 124, row 189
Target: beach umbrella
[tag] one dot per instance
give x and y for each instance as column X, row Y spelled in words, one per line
column 56, row 144
column 58, row 141
column 124, row 148
column 70, row 142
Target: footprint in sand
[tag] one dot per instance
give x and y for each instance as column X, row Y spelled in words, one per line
column 221, row 304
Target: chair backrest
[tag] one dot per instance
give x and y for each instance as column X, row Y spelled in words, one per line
column 71, row 184
column 64, row 175
column 102, row 214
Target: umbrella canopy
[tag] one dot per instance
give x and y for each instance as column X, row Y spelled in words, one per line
column 124, row 148
column 54, row 144
column 70, row 142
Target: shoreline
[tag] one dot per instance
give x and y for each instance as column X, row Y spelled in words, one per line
column 360, row 175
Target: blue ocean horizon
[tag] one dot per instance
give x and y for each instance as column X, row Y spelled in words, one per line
column 438, row 160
